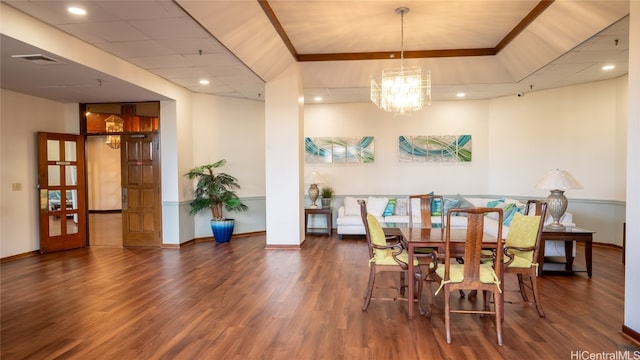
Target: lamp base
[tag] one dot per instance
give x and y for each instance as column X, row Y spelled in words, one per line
column 313, row 195
column 557, row 205
column 554, row 226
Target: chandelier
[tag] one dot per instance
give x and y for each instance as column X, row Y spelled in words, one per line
column 403, row 89
column 114, row 124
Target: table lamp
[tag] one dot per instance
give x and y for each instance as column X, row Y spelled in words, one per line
column 316, row 179
column 557, row 181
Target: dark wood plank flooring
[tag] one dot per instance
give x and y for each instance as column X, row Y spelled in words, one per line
column 240, row 301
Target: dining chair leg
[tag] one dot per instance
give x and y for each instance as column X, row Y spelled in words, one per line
column 536, row 294
column 498, row 307
column 429, row 299
column 403, row 287
column 447, row 315
column 419, row 287
column 521, row 285
column 486, row 299
column 372, row 278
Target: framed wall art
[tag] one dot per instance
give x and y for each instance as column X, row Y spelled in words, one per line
column 440, row 148
column 339, row 149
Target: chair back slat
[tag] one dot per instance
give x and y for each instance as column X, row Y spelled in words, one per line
column 425, row 201
column 473, row 246
column 365, row 221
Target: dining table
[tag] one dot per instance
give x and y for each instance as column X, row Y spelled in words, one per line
column 417, row 237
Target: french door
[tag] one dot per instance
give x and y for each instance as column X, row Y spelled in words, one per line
column 61, row 191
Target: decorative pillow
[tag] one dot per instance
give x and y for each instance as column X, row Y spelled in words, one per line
column 463, row 202
column 481, row 202
column 450, row 204
column 351, row 206
column 513, row 201
column 495, row 203
column 401, row 207
column 498, row 205
column 391, row 206
column 505, row 207
column 376, row 205
column 512, row 211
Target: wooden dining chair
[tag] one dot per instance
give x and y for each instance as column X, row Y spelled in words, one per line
column 385, row 255
column 473, row 274
column 427, row 257
column 426, row 208
column 521, row 249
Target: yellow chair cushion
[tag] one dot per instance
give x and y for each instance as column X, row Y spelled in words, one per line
column 384, row 256
column 522, row 233
column 456, row 275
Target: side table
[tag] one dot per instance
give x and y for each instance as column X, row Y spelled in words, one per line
column 328, row 212
column 568, row 235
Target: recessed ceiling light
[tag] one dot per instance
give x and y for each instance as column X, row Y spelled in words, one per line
column 204, row 82
column 460, row 94
column 76, row 10
column 317, row 98
column 608, row 67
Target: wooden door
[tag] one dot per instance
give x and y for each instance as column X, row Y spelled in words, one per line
column 62, row 193
column 141, row 212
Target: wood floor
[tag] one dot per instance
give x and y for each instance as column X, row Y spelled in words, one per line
column 240, row 301
column 105, row 229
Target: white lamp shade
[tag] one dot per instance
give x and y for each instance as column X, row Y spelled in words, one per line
column 316, row 178
column 558, row 180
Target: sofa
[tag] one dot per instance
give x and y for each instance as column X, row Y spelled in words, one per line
column 394, row 210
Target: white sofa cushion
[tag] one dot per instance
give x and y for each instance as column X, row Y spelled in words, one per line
column 376, row 205
column 351, row 206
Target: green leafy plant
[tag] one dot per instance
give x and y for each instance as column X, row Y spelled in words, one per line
column 326, row 192
column 214, row 190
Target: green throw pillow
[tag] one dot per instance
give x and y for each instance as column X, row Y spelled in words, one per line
column 390, row 208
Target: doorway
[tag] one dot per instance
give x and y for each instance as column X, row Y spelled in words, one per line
column 117, row 153
column 103, row 188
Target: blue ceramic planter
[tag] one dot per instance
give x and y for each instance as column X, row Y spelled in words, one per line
column 222, row 230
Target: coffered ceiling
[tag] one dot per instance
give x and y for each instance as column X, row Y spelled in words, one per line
column 484, row 48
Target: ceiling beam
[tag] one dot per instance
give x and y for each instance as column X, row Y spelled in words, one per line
column 415, row 54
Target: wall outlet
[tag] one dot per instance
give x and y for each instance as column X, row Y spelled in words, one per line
column 16, row 187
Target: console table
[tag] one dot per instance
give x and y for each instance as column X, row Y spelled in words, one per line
column 568, row 235
column 328, row 212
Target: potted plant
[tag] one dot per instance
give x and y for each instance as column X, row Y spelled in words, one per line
column 327, row 195
column 213, row 191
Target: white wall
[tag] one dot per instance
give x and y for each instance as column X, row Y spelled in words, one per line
column 515, row 140
column 387, row 175
column 231, row 129
column 21, row 117
column 573, row 128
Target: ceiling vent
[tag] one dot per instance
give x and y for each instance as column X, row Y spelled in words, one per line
column 38, row 59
